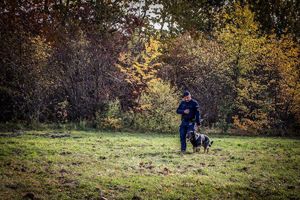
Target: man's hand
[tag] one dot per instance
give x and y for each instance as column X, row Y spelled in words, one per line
column 197, row 127
column 186, row 111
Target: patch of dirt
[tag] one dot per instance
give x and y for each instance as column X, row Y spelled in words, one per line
column 234, row 158
column 20, row 168
column 165, row 171
column 77, row 163
column 200, row 171
column 119, row 188
column 65, row 153
column 68, row 182
column 49, row 171
column 76, row 137
column 59, row 135
column 29, row 196
column 216, row 150
column 135, row 197
column 101, row 195
column 223, row 158
column 14, row 186
column 232, row 179
column 190, row 166
column 188, row 184
column 17, row 151
column 102, row 158
column 244, row 169
column 53, row 134
column 63, row 171
column 147, row 165
column 151, row 154
column 252, row 162
column 291, row 187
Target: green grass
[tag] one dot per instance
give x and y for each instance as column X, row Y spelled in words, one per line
column 88, row 165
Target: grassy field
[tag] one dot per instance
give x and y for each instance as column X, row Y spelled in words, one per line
column 95, row 165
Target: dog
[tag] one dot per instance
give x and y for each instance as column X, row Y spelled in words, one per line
column 198, row 140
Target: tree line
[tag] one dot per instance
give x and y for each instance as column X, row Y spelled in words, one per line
column 124, row 63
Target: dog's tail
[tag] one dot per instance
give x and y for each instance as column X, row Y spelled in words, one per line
column 211, row 143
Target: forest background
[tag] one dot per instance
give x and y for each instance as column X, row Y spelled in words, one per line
column 123, row 64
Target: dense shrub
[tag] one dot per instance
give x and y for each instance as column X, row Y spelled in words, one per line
column 112, row 118
column 158, row 106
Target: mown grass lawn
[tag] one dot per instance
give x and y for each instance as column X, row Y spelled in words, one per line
column 93, row 165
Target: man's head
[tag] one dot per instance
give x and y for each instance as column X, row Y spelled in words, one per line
column 187, row 96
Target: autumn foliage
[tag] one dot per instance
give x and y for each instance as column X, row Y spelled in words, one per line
column 124, row 64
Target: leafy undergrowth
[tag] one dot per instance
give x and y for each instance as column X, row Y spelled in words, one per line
column 98, row 165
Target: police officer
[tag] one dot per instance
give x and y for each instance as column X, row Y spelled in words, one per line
column 190, row 117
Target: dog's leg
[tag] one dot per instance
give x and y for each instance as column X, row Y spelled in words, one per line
column 194, row 149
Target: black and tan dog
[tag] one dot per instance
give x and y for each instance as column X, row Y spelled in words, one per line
column 198, row 140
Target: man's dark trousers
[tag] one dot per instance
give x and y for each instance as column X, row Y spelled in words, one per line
column 184, row 128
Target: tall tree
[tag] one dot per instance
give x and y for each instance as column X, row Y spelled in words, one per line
column 280, row 16
column 242, row 41
column 196, row 65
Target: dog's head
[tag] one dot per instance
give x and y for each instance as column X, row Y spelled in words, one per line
column 190, row 135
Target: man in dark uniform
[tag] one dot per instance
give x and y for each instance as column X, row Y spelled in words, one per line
column 190, row 117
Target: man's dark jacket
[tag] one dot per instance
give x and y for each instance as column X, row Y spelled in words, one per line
column 194, row 114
